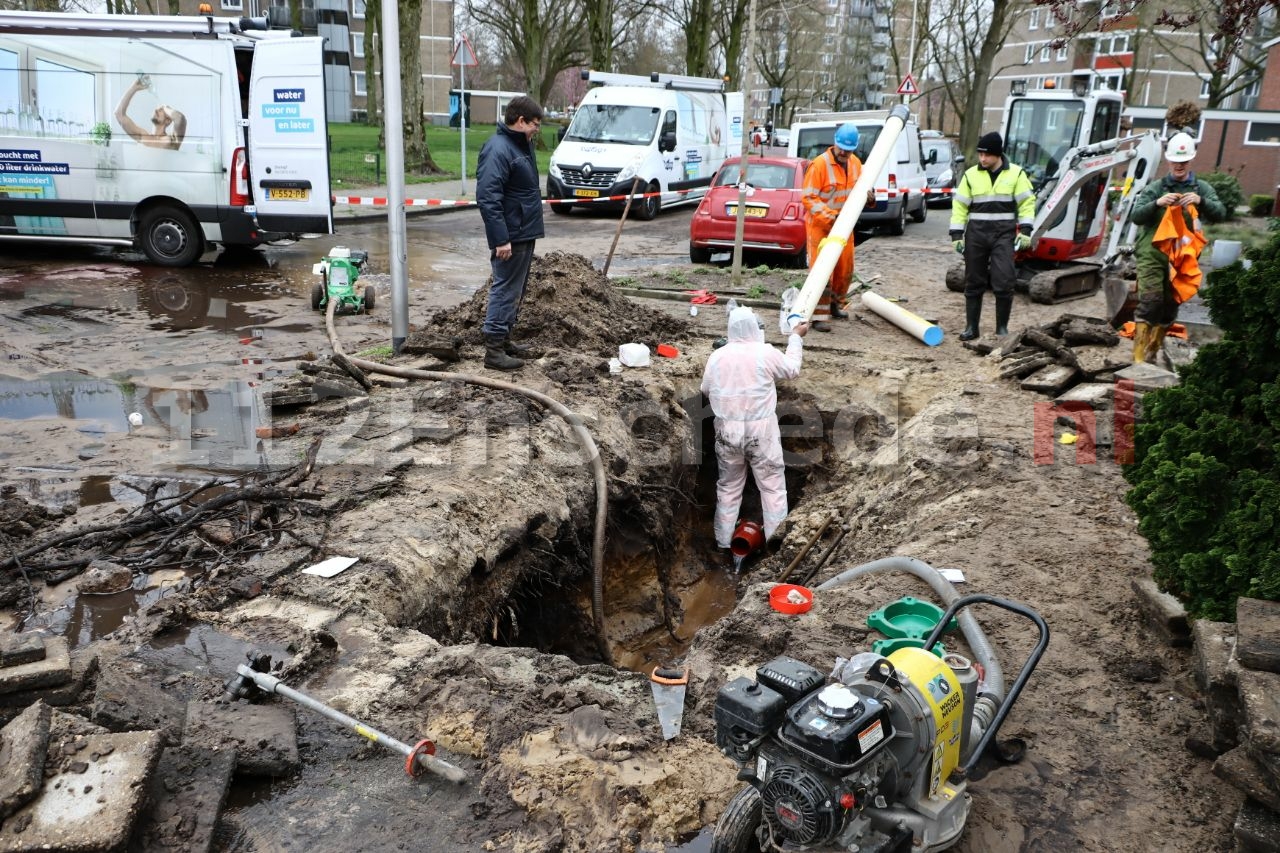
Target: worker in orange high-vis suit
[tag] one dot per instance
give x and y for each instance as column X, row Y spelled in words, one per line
column 827, row 184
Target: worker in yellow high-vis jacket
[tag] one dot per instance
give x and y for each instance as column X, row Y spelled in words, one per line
column 992, row 212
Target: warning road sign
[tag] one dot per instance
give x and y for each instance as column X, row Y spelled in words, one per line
column 908, row 86
column 464, row 54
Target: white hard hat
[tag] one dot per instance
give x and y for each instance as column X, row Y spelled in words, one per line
column 1181, row 148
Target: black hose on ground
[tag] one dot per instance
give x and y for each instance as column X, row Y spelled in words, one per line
column 587, row 443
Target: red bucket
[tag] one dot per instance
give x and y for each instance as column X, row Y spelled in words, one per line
column 790, row 599
column 747, row 538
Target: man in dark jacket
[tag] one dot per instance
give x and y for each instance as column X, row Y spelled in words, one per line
column 510, row 201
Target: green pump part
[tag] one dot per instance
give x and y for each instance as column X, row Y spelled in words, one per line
column 338, row 273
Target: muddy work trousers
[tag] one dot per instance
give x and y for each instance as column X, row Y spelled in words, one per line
column 757, row 444
column 837, row 290
column 988, row 258
column 1156, row 305
column 506, row 292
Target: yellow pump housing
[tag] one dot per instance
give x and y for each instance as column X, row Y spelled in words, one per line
column 938, row 685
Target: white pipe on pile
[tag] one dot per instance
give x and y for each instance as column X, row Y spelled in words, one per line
column 912, row 324
column 820, row 273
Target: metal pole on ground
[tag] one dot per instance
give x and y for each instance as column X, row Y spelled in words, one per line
column 394, row 113
column 740, row 224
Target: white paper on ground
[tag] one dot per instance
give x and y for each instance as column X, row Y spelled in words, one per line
column 953, row 575
column 331, row 566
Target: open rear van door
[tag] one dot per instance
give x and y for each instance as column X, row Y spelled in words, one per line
column 288, row 137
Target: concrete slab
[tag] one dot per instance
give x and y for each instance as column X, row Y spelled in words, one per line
column 21, row 648
column 1051, row 379
column 1215, row 671
column 1242, row 772
column 1148, row 377
column 91, row 798
column 84, row 663
column 53, row 670
column 1260, row 695
column 1258, row 634
column 1096, row 394
column 23, row 743
column 1163, row 612
column 185, row 798
column 1257, row 829
column 265, row 737
column 123, row 703
column 1097, row 361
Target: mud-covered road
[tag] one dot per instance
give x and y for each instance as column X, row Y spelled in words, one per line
column 468, row 618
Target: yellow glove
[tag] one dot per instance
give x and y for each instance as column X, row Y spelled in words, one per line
column 959, row 244
column 1022, row 242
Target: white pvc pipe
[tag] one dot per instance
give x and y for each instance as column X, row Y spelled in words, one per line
column 913, row 324
column 820, row 273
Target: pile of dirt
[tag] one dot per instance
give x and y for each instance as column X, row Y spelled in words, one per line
column 567, row 302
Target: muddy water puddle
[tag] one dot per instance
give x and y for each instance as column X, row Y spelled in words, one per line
column 83, row 618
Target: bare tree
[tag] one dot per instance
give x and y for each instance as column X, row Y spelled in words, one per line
column 417, row 154
column 696, row 18
column 543, row 37
column 611, row 26
column 964, row 50
column 1227, row 75
column 786, row 60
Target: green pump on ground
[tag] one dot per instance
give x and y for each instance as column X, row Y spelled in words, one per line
column 338, row 271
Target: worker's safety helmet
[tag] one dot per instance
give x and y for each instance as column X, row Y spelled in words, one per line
column 847, row 137
column 1181, row 148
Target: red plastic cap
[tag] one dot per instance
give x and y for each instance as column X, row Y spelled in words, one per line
column 790, row 598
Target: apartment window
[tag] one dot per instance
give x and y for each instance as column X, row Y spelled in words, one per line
column 1044, row 52
column 1204, row 88
column 357, row 8
column 1263, row 133
column 1108, row 81
column 1033, row 19
column 232, row 4
column 357, row 45
column 1062, row 54
column 357, row 82
column 1029, row 54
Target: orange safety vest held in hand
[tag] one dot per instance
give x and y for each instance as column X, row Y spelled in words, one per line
column 1183, row 244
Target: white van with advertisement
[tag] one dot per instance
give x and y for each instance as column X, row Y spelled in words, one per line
column 165, row 133
column 902, row 183
column 664, row 135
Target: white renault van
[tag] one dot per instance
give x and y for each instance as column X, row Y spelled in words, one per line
column 901, row 185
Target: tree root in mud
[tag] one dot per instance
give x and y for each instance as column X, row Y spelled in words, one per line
column 241, row 520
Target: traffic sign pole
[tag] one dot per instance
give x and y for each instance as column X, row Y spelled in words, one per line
column 463, row 55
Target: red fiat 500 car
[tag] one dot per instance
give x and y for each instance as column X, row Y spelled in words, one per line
column 774, row 217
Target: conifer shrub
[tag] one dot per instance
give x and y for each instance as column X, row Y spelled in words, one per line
column 1228, row 188
column 1206, row 473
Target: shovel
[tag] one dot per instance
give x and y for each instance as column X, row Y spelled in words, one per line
column 668, row 695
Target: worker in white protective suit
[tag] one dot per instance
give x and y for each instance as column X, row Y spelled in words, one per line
column 739, row 380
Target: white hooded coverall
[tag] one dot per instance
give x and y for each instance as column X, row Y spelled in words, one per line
column 739, row 380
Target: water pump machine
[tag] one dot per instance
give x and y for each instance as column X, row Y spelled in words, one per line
column 873, row 758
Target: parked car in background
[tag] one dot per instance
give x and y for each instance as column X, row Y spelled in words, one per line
column 943, row 165
column 781, row 137
column 774, row 215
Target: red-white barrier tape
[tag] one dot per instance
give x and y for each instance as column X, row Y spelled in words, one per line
column 382, row 201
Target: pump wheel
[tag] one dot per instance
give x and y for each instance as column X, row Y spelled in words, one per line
column 170, row 237
column 317, row 296
column 368, row 299
column 735, row 832
column 649, row 205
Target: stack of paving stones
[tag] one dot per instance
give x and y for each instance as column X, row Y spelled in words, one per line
column 1239, row 672
column 34, row 668
column 314, row 382
column 148, row 772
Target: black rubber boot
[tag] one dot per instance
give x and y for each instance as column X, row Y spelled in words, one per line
column 510, row 347
column 972, row 314
column 495, row 356
column 1004, row 307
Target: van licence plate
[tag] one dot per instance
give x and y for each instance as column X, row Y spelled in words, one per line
column 587, row 193
column 287, row 194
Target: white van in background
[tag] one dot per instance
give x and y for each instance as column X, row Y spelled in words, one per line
column 167, row 133
column 668, row 133
column 900, row 187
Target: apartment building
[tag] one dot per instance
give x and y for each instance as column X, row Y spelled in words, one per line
column 1155, row 66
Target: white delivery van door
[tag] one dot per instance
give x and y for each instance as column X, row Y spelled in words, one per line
column 288, row 137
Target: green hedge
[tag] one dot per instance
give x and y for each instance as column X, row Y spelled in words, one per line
column 1206, row 478
column 1260, row 204
column 1228, row 189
